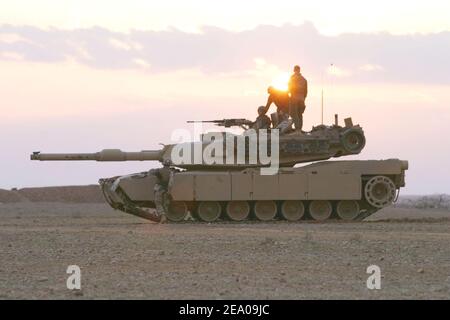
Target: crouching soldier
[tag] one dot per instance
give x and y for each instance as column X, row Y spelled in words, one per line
column 262, row 121
column 162, row 199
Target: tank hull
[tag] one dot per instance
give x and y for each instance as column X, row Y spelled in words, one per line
column 350, row 190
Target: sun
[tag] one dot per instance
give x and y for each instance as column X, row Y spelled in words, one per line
column 280, row 82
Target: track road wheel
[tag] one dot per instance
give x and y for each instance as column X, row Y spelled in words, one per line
column 320, row 210
column 379, row 191
column 292, row 210
column 347, row 209
column 265, row 210
column 237, row 210
column 209, row 211
column 177, row 211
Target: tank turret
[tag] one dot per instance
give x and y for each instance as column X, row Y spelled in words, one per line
column 223, row 150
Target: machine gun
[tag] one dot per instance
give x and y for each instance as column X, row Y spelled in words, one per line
column 227, row 123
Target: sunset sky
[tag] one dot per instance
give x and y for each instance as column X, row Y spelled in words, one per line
column 81, row 76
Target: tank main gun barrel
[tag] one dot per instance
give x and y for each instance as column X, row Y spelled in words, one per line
column 104, row 155
column 227, row 123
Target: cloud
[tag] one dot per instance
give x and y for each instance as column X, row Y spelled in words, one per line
column 359, row 57
column 8, row 55
column 11, row 38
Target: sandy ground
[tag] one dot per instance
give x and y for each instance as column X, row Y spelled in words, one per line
column 122, row 256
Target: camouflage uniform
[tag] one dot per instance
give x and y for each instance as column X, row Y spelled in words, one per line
column 262, row 122
column 160, row 197
column 298, row 88
column 160, row 190
column 284, row 123
column 279, row 98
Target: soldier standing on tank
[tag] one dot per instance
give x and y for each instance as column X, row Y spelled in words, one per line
column 163, row 176
column 298, row 90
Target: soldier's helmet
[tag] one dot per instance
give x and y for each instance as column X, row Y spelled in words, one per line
column 261, row 109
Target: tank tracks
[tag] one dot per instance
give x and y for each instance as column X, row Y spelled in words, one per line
column 264, row 211
column 272, row 211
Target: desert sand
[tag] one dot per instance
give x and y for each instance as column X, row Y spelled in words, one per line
column 122, row 256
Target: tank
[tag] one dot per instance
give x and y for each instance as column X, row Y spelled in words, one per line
column 235, row 186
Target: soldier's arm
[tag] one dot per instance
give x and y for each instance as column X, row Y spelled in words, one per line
column 268, row 104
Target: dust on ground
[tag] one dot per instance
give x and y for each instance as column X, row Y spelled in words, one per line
column 122, row 256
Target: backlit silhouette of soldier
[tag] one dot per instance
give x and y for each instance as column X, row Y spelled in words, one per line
column 298, row 90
